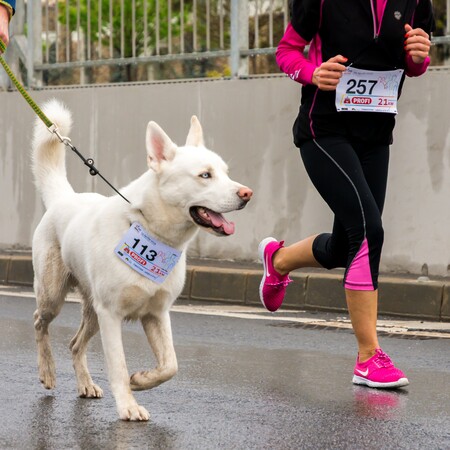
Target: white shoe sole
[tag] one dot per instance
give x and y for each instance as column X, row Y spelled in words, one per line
column 394, row 384
column 261, row 247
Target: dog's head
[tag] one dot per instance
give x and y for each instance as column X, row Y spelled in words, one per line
column 194, row 180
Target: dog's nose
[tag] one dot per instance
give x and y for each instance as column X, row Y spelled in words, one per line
column 245, row 193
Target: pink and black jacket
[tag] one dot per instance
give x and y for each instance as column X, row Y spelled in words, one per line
column 370, row 33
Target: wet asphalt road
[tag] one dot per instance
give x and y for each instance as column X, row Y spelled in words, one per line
column 242, row 384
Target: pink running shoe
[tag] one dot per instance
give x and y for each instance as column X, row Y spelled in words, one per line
column 379, row 372
column 273, row 285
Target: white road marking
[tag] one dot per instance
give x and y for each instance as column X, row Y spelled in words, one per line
column 399, row 327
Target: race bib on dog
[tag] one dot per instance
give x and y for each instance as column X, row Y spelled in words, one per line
column 368, row 90
column 146, row 255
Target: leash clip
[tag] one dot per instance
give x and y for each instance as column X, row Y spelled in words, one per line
column 54, row 130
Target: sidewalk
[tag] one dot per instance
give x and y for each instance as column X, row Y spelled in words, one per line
column 238, row 284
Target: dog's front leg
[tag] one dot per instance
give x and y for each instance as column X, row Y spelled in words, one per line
column 111, row 333
column 159, row 335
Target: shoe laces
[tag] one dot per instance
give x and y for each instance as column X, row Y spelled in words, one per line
column 282, row 283
column 383, row 360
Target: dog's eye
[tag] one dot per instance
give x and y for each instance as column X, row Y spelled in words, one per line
column 205, row 175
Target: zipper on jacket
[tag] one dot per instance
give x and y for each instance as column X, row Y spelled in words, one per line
column 373, row 6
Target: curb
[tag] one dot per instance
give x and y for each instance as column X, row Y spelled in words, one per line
column 399, row 295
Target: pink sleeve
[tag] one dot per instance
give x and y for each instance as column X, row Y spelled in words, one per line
column 415, row 70
column 290, row 57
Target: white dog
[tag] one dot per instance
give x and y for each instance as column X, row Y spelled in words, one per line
column 80, row 243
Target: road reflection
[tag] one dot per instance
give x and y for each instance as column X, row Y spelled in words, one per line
column 379, row 403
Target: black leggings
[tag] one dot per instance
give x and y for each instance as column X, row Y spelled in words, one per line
column 351, row 177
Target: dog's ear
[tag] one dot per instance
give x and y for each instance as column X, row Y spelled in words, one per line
column 159, row 146
column 195, row 135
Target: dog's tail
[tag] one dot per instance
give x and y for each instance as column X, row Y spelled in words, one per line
column 48, row 153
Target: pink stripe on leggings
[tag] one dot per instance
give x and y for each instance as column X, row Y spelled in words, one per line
column 359, row 277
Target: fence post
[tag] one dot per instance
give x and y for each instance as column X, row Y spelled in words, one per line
column 239, row 38
column 447, row 31
column 34, row 56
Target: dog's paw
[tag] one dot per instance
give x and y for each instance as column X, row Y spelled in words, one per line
column 46, row 364
column 47, row 377
column 134, row 413
column 48, row 382
column 148, row 379
column 139, row 380
column 90, row 391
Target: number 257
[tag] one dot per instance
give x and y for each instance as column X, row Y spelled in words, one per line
column 360, row 87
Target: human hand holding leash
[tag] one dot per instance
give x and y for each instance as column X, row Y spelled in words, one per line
column 417, row 44
column 326, row 77
column 4, row 23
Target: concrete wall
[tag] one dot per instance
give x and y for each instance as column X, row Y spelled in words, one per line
column 249, row 123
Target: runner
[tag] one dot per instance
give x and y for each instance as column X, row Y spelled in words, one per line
column 360, row 52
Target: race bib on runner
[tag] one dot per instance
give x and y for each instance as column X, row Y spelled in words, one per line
column 146, row 255
column 368, row 90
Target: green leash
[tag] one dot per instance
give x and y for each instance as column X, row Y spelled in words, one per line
column 21, row 89
column 89, row 162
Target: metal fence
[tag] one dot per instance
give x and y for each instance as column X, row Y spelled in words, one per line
column 94, row 41
column 133, row 40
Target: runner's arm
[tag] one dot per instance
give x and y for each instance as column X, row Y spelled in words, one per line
column 291, row 59
column 422, row 26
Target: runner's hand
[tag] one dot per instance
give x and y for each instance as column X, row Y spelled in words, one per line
column 417, row 44
column 326, row 77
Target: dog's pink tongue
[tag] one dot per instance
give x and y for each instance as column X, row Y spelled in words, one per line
column 219, row 221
